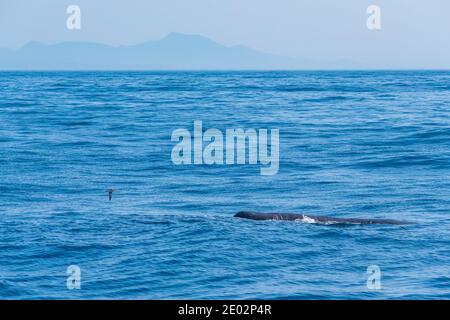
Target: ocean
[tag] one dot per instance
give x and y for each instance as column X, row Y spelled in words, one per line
column 352, row 144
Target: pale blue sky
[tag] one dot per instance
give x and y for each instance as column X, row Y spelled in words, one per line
column 414, row 33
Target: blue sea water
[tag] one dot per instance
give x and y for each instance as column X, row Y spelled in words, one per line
column 352, row 144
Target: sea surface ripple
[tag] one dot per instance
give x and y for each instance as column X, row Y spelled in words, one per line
column 352, row 144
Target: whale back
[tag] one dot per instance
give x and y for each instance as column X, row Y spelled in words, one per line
column 315, row 219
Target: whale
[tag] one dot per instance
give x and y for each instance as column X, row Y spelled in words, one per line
column 315, row 219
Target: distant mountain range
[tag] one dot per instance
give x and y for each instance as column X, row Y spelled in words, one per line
column 174, row 52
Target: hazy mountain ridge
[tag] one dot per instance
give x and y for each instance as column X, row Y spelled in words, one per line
column 174, row 52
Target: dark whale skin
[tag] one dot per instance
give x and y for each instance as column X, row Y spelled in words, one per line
column 316, row 219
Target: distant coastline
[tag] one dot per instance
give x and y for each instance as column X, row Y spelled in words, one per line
column 176, row 51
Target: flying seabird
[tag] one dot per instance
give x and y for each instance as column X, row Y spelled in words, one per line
column 110, row 192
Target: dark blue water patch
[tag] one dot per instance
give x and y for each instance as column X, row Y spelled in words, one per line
column 406, row 161
column 430, row 134
column 77, row 123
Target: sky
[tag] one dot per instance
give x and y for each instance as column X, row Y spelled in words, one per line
column 414, row 33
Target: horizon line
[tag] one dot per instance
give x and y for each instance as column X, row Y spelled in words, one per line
column 229, row 70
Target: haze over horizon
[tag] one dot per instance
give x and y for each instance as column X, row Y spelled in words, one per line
column 414, row 33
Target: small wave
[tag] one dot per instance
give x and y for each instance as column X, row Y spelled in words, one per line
column 298, row 89
column 327, row 99
column 430, row 134
column 405, row 161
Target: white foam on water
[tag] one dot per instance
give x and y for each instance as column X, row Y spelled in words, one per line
column 306, row 219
